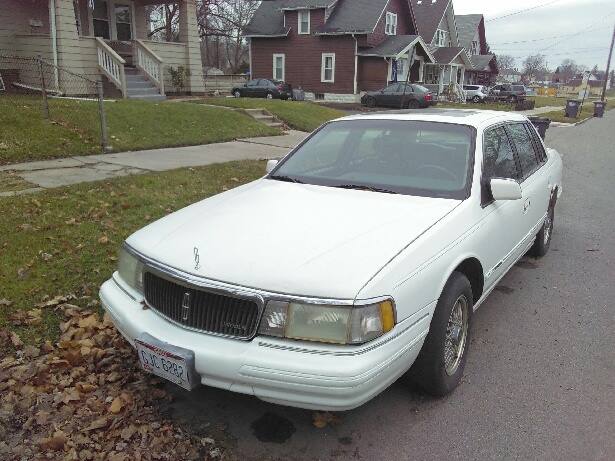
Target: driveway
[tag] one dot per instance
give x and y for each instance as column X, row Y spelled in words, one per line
column 540, row 378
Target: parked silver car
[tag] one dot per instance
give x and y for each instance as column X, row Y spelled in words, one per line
column 476, row 93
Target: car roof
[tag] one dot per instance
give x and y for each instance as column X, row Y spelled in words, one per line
column 471, row 117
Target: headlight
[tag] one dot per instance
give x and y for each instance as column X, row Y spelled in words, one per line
column 131, row 270
column 328, row 323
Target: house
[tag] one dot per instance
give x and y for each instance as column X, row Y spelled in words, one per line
column 336, row 49
column 107, row 38
column 472, row 36
column 509, row 76
column 577, row 86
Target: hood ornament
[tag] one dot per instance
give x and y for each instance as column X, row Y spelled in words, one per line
column 197, row 259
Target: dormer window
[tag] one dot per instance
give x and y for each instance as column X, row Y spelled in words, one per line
column 391, row 24
column 304, row 22
column 441, row 38
column 474, row 47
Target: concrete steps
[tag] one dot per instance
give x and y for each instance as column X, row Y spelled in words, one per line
column 139, row 87
column 263, row 116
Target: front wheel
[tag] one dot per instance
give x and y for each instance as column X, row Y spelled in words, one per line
column 440, row 364
column 412, row 104
column 370, row 102
column 269, row 96
column 543, row 238
column 476, row 99
column 237, row 94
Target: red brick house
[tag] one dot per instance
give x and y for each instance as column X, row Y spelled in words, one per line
column 334, row 49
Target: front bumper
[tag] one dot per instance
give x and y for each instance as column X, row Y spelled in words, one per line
column 293, row 373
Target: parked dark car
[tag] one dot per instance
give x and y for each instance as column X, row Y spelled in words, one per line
column 263, row 88
column 507, row 92
column 413, row 97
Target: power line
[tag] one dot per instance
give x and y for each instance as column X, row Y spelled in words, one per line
column 497, row 44
column 523, row 11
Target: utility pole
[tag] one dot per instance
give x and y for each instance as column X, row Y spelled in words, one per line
column 608, row 67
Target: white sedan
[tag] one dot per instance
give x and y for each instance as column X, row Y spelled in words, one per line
column 361, row 256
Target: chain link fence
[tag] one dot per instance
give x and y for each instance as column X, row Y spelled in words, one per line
column 35, row 88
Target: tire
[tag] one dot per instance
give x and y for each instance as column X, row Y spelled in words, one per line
column 413, row 104
column 431, row 371
column 476, row 99
column 512, row 99
column 543, row 238
column 370, row 102
column 269, row 96
column 237, row 94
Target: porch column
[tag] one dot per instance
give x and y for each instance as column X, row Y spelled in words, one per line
column 67, row 39
column 189, row 34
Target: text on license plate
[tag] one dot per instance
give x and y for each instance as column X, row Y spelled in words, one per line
column 164, row 364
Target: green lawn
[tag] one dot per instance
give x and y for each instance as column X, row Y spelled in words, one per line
column 133, row 125
column 65, row 241
column 304, row 116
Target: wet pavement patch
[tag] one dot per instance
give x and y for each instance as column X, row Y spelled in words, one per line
column 273, row 428
column 525, row 264
column 345, row 440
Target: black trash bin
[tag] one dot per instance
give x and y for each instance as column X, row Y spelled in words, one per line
column 572, row 108
column 599, row 108
column 542, row 125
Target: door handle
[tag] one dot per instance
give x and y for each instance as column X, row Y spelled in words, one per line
column 526, row 205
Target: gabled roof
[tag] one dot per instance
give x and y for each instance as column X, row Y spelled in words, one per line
column 467, row 26
column 354, row 16
column 446, row 55
column 347, row 16
column 481, row 61
column 395, row 45
column 428, row 14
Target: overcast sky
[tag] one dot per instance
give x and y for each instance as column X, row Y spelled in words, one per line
column 591, row 20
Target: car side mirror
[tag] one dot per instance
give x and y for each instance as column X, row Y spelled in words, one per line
column 505, row 189
column 271, row 164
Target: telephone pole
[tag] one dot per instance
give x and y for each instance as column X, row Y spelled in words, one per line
column 608, row 67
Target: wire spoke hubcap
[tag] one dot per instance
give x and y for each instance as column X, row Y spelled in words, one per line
column 456, row 335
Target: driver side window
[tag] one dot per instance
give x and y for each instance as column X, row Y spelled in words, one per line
column 498, row 156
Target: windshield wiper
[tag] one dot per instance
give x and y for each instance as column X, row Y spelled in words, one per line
column 369, row 188
column 286, row 179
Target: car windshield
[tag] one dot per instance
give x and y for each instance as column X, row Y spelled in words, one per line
column 396, row 156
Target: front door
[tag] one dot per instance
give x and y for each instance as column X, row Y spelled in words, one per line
column 122, row 14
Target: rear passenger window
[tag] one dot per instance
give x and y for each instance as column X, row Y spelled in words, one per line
column 538, row 145
column 525, row 148
column 498, row 157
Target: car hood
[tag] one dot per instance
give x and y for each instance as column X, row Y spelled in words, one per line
column 291, row 238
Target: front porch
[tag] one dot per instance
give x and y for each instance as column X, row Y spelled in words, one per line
column 109, row 38
column 448, row 70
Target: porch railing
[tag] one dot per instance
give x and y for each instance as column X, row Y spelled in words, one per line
column 112, row 65
column 149, row 63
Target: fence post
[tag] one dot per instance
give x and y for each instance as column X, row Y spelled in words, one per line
column 104, row 142
column 43, row 88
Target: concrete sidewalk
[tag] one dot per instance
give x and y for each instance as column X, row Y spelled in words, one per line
column 73, row 170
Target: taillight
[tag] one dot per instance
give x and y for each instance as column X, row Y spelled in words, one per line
column 428, row 97
column 280, row 87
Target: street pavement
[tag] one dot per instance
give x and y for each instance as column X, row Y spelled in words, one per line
column 540, row 379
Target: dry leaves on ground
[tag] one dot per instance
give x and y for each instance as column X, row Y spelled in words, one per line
column 85, row 398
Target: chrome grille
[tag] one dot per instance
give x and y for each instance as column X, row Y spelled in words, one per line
column 201, row 310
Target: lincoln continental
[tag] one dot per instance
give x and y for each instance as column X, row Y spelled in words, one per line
column 359, row 257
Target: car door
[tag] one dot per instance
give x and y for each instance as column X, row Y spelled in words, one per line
column 502, row 229
column 250, row 89
column 262, row 88
column 534, row 183
column 388, row 95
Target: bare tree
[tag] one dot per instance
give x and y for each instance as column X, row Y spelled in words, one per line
column 164, row 22
column 505, row 61
column 533, row 66
column 567, row 70
column 220, row 26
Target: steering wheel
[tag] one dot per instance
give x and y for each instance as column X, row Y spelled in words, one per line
column 438, row 169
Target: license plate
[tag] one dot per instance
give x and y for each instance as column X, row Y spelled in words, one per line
column 169, row 362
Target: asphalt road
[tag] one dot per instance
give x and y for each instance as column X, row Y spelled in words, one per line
column 540, row 379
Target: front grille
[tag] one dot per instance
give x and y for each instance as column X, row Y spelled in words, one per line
column 201, row 310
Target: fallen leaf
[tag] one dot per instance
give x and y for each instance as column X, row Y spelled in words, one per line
column 16, row 340
column 322, row 419
column 89, row 322
column 98, row 424
column 116, row 405
column 54, row 443
column 103, row 240
column 5, row 302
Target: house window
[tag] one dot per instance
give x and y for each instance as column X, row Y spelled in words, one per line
column 391, row 24
column 432, row 74
column 279, row 66
column 100, row 20
column 304, row 22
column 441, row 38
column 474, row 48
column 123, row 22
column 328, row 68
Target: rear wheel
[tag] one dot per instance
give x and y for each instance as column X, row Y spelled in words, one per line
column 543, row 238
column 412, row 104
column 512, row 99
column 440, row 364
column 269, row 96
column 476, row 99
